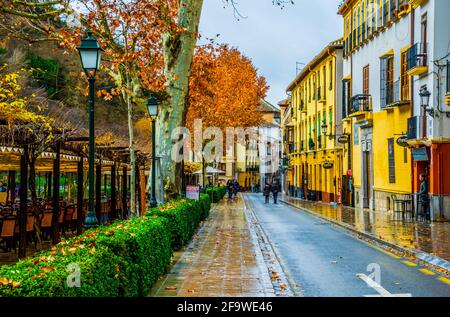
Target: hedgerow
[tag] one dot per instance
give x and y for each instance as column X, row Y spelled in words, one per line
column 123, row 259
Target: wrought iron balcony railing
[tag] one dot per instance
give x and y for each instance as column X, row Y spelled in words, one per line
column 415, row 128
column 417, row 56
column 360, row 103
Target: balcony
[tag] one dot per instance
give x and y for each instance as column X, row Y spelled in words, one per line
column 396, row 96
column 360, row 105
column 417, row 60
column 415, row 128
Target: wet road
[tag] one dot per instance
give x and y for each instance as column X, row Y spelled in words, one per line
column 326, row 261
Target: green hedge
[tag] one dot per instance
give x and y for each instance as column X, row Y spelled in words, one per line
column 216, row 193
column 123, row 259
column 184, row 216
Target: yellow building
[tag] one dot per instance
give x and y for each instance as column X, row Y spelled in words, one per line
column 316, row 155
column 377, row 104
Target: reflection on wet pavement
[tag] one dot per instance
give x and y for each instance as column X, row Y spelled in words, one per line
column 430, row 238
column 221, row 261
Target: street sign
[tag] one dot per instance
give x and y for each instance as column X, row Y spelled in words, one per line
column 193, row 192
column 328, row 165
column 343, row 139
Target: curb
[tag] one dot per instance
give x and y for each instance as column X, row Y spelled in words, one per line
column 420, row 255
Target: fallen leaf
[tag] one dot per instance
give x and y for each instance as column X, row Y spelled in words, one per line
column 170, row 288
column 48, row 268
column 4, row 281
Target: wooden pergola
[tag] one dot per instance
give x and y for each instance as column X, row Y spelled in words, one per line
column 68, row 154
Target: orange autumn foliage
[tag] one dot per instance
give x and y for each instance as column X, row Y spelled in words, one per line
column 224, row 89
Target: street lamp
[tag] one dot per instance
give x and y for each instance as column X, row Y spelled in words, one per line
column 152, row 108
column 90, row 55
column 425, row 100
column 325, row 131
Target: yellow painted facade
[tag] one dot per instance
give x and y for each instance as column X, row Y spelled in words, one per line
column 317, row 159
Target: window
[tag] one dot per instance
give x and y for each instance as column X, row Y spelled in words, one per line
column 331, row 76
column 346, row 95
column 387, row 80
column 448, row 76
column 324, row 80
column 391, row 155
column 366, row 80
column 404, row 77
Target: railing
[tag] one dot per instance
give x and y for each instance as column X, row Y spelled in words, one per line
column 415, row 128
column 401, row 93
column 417, row 56
column 360, row 103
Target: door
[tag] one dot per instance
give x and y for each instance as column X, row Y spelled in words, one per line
column 366, row 170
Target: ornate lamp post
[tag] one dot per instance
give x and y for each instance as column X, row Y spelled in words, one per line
column 90, row 55
column 425, row 100
column 152, row 108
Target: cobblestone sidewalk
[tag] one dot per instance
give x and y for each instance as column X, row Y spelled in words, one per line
column 223, row 260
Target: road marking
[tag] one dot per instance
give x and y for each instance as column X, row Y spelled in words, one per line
column 444, row 280
column 380, row 289
column 427, row 272
column 409, row 263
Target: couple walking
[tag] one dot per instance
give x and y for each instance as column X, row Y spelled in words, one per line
column 274, row 188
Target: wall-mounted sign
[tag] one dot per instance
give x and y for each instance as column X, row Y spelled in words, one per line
column 327, row 165
column 403, row 141
column 193, row 192
column 420, row 155
column 343, row 139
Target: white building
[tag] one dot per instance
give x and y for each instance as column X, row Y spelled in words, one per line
column 393, row 50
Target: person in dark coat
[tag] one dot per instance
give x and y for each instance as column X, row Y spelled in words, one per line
column 276, row 187
column 235, row 188
column 230, row 189
column 267, row 190
column 423, row 198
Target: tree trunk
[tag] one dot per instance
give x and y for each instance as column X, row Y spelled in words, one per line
column 133, row 210
column 178, row 53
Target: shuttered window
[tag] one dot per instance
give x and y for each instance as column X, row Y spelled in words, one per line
column 404, row 77
column 391, row 155
column 386, row 80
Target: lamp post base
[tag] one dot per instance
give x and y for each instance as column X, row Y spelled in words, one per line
column 91, row 220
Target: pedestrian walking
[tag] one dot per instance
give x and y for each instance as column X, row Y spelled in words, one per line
column 230, row 189
column 267, row 190
column 235, row 188
column 423, row 198
column 276, row 187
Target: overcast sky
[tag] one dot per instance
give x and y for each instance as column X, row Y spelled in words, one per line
column 275, row 39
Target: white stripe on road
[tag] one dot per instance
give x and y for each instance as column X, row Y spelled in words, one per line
column 380, row 290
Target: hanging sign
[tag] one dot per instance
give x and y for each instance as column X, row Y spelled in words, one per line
column 403, row 141
column 343, row 139
column 328, row 165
